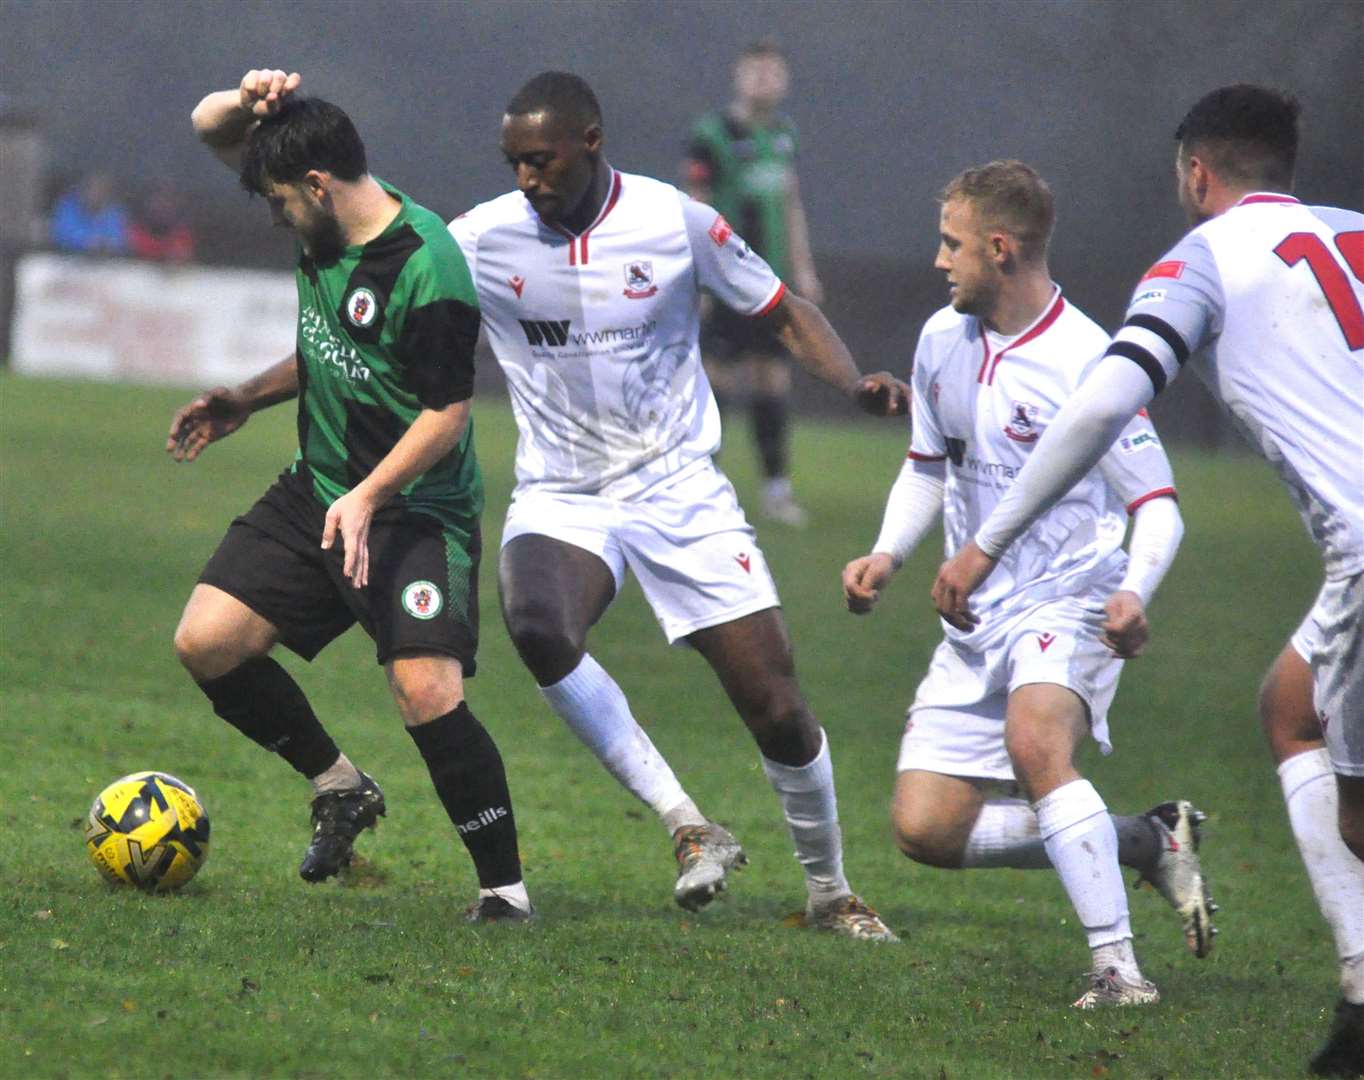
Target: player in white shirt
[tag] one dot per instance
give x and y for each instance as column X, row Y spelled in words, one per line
column 1007, row 700
column 1265, row 299
column 589, row 281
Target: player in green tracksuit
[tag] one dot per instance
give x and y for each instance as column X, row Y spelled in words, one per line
column 377, row 519
column 741, row 160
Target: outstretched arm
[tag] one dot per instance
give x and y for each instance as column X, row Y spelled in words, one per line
column 224, row 119
column 1081, row 434
column 217, row 413
column 807, row 335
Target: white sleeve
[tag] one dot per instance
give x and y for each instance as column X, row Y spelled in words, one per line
column 1157, row 528
column 1084, row 429
column 1136, row 466
column 726, row 267
column 463, row 232
column 915, row 501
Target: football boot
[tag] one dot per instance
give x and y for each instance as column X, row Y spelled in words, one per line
column 338, row 818
column 705, row 854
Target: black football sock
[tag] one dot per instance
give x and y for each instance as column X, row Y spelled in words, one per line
column 472, row 784
column 261, row 700
column 769, row 431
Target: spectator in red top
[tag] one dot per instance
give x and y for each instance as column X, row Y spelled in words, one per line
column 159, row 231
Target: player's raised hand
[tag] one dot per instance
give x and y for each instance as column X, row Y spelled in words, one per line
column 263, row 91
column 350, row 517
column 957, row 579
column 1126, row 631
column 211, row 416
column 863, row 580
column 881, row 394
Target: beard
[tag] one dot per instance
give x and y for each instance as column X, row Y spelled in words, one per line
column 323, row 239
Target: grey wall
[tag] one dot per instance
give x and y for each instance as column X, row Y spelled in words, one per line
column 892, row 99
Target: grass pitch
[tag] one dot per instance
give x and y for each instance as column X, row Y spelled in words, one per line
column 252, row 972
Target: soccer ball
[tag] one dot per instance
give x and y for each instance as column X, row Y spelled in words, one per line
column 148, row 829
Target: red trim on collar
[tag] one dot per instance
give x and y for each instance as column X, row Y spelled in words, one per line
column 577, row 243
column 1248, row 199
column 1038, row 328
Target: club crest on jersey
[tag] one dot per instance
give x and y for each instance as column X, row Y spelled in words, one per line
column 1022, row 422
column 362, row 308
column 639, row 279
column 422, row 600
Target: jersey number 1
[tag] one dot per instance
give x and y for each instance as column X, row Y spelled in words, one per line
column 1335, row 286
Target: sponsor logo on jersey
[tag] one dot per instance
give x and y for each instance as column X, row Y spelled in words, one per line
column 557, row 333
column 517, row 282
column 362, row 308
column 720, row 231
column 552, row 332
column 1044, row 641
column 745, row 560
column 319, row 343
column 489, row 816
column 1170, row 268
column 1130, row 444
column 422, row 600
column 639, row 279
column 1150, row 296
column 1022, row 422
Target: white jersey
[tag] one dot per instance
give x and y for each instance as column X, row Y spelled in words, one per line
column 597, row 333
column 980, row 402
column 1266, row 301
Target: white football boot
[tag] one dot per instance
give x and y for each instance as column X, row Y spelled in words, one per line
column 705, row 854
column 1108, row 988
column 1178, row 874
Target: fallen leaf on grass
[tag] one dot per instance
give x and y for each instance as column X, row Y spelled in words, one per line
column 249, row 985
column 794, row 921
column 58, row 944
column 44, row 915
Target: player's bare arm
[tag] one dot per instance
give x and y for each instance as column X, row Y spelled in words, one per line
column 807, row 335
column 806, row 280
column 224, row 119
column 217, row 413
column 432, row 435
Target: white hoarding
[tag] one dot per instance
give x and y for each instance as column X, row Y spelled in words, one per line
column 131, row 321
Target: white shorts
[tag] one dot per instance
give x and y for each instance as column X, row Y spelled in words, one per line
column 956, row 724
column 695, row 554
column 1331, row 639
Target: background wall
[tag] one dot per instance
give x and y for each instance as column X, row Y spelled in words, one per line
column 892, row 99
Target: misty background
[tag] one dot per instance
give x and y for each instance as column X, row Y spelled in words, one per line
column 891, row 99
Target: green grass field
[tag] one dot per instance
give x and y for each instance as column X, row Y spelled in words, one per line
column 252, row 972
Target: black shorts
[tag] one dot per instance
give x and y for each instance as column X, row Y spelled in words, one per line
column 423, row 576
column 728, row 336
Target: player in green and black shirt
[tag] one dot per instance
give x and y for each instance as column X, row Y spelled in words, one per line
column 383, row 372
column 741, row 160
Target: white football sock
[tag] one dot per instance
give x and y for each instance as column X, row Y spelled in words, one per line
column 811, row 809
column 588, row 700
column 1005, row 834
column 1083, row 846
column 342, row 776
column 1309, row 789
column 515, row 895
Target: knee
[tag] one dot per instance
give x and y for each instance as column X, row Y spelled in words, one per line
column 421, row 699
column 919, row 841
column 204, row 652
column 543, row 640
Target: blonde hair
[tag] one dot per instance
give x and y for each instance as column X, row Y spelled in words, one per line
column 1012, row 198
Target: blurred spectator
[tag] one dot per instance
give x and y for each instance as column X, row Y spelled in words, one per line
column 159, row 230
column 90, row 218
